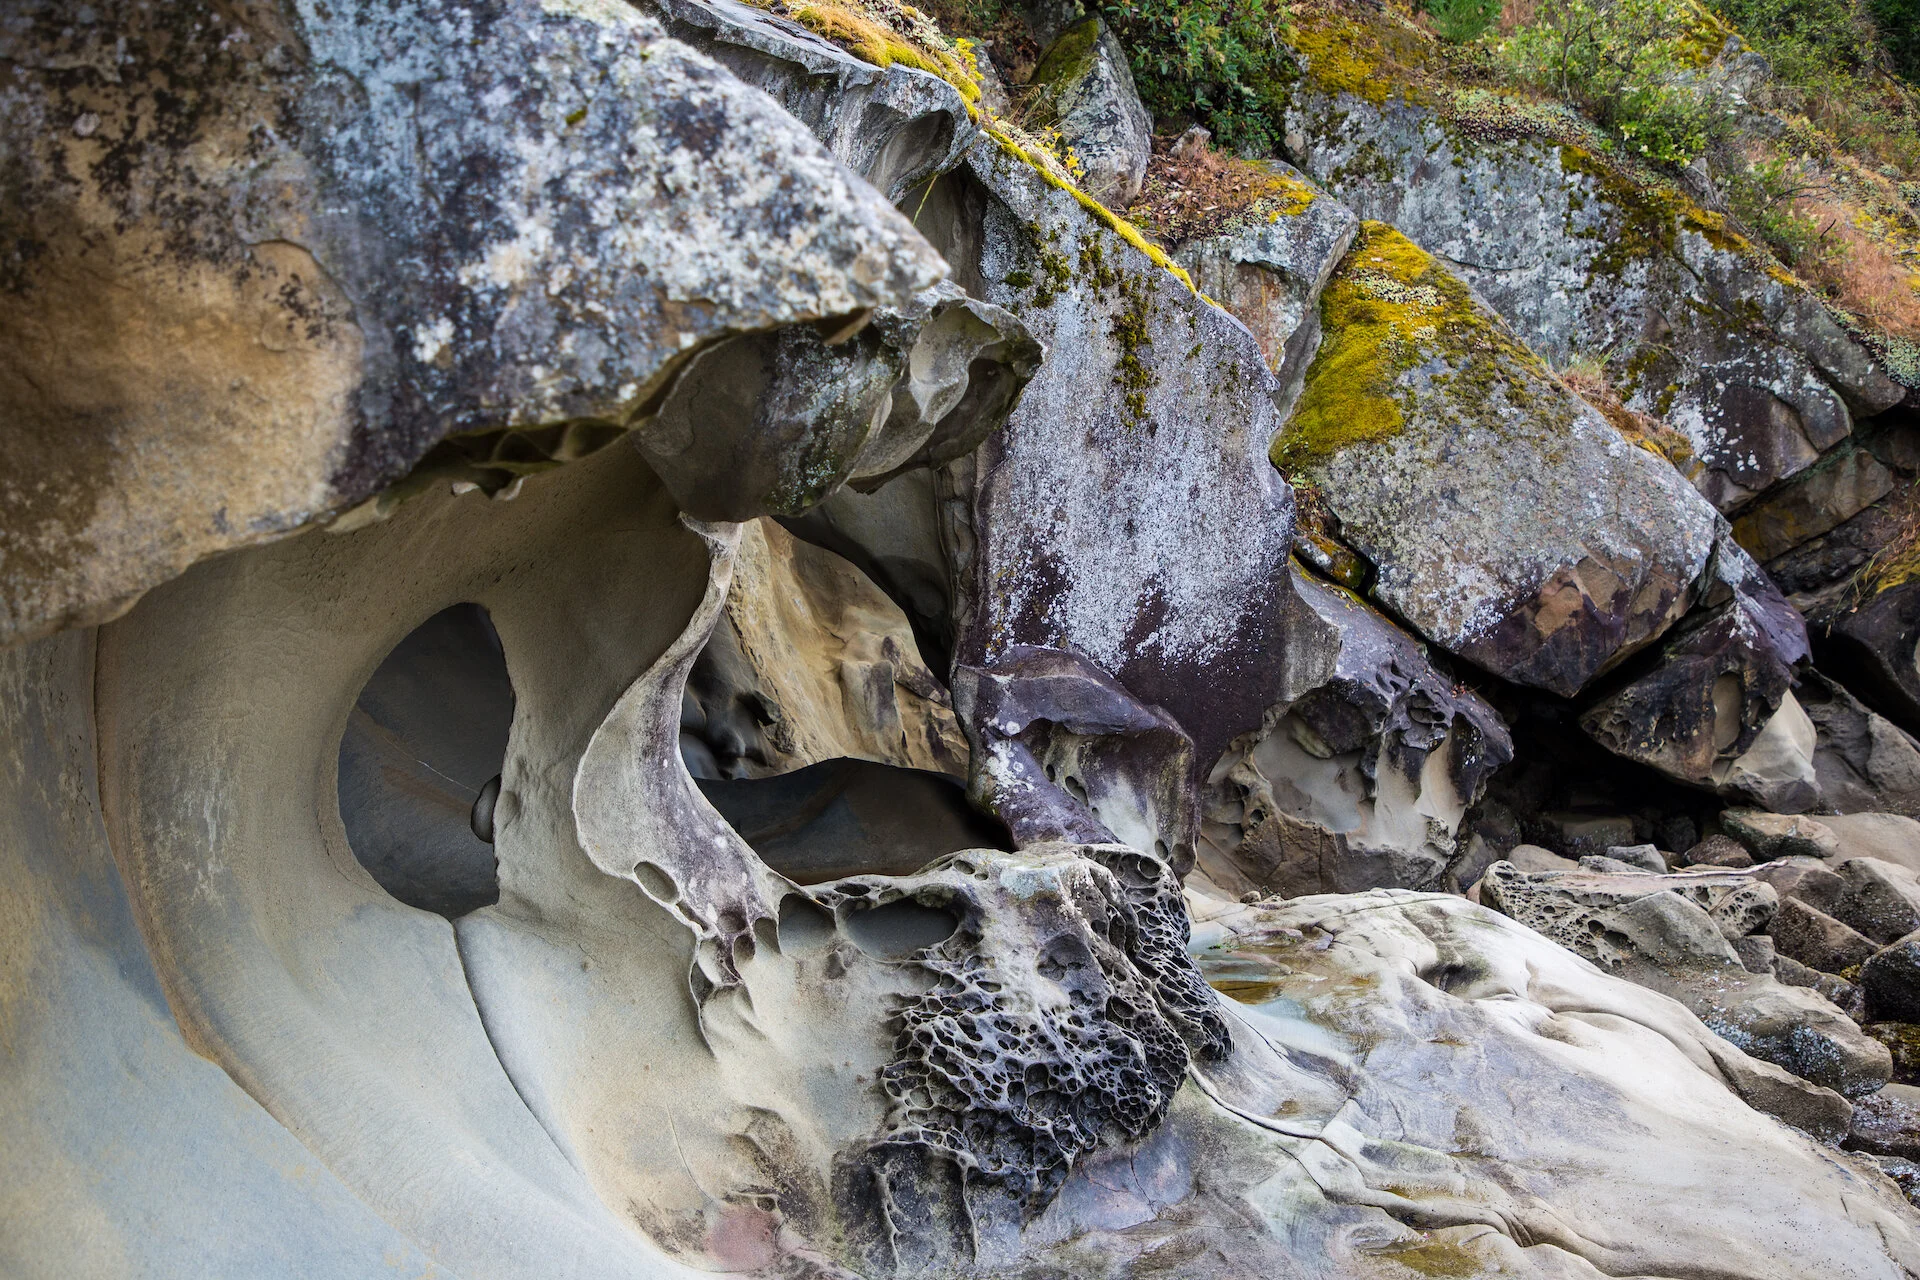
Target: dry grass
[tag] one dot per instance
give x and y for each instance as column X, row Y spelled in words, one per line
column 1899, row 560
column 1515, row 14
column 1200, row 191
column 1859, row 268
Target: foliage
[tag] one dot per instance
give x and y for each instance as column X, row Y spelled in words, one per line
column 1836, row 53
column 1222, row 63
column 1461, row 21
column 1899, row 22
column 1764, row 195
column 1631, row 64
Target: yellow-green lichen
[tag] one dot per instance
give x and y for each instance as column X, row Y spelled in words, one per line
column 1105, row 216
column 1391, row 308
column 1373, row 57
column 884, row 32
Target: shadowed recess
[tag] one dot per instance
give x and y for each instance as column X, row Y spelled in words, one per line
column 851, row 817
column 420, row 764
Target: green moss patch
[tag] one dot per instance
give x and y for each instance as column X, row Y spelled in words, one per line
column 1389, row 309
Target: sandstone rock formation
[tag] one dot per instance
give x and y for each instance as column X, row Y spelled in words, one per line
column 647, row 640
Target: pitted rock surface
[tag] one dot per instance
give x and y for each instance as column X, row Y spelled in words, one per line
column 1043, row 1034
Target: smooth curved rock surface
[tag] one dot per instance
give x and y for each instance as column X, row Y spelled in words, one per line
column 1465, row 1030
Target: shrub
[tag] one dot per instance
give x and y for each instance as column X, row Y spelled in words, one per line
column 1899, row 23
column 1222, row 63
column 1765, row 194
column 1630, row 64
column 1461, row 20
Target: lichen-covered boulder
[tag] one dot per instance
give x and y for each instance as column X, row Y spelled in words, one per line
column 1362, row 768
column 895, row 125
column 1584, row 258
column 1127, row 511
column 1084, row 88
column 1507, row 521
column 275, row 257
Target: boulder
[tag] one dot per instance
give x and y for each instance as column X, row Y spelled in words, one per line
column 1890, row 837
column 1775, row 835
column 359, row 289
column 1446, row 449
column 1579, row 834
column 896, row 125
column 1757, row 953
column 1361, row 771
column 1127, row 511
column 1882, row 899
column 1715, row 709
column 1672, row 934
column 1583, row 256
column 1617, row 918
column 1891, row 980
column 1083, row 87
column 1887, row 1123
column 1717, row 851
column 1777, row 770
column 1269, row 265
column 1807, row 879
column 1862, row 762
column 1816, row 574
column 1645, row 857
column 1064, row 752
column 1817, row 940
column 1843, row 995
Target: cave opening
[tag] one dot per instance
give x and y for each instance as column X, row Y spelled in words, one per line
column 420, row 764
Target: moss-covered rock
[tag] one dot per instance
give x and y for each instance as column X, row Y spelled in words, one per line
column 1584, row 255
column 1083, row 88
column 1508, row 521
